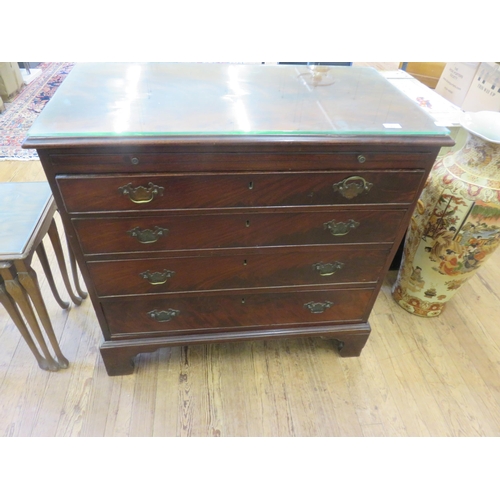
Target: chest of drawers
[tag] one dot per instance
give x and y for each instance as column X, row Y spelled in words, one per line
column 191, row 231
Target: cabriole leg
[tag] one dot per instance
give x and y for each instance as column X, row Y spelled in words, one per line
column 11, row 308
column 42, row 255
column 18, row 293
column 74, row 271
column 28, row 279
column 56, row 243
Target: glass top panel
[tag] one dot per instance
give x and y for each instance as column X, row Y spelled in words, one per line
column 162, row 99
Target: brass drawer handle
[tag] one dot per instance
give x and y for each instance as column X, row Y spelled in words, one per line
column 352, row 186
column 147, row 235
column 157, row 277
column 329, row 268
column 163, row 316
column 318, row 307
column 340, row 228
column 141, row 194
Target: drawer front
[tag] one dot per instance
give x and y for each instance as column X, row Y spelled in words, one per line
column 139, row 161
column 259, row 268
column 184, row 232
column 211, row 312
column 105, row 193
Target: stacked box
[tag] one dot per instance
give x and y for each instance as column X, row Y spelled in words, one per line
column 456, row 80
column 484, row 92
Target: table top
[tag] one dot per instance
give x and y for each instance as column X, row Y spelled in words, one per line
column 23, row 206
column 212, row 99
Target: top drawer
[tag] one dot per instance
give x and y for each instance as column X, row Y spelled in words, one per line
column 139, row 161
column 109, row 193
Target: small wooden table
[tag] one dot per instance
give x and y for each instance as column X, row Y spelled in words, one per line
column 26, row 216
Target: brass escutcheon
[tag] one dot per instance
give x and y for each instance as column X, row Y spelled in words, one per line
column 318, row 307
column 147, row 235
column 141, row 194
column 157, row 278
column 329, row 268
column 340, row 228
column 163, row 316
column 352, row 186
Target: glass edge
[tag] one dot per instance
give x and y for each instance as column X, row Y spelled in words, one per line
column 443, row 132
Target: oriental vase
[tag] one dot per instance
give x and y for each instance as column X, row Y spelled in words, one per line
column 455, row 227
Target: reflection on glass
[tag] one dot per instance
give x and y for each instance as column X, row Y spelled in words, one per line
column 123, row 106
column 159, row 99
column 235, row 97
column 318, row 76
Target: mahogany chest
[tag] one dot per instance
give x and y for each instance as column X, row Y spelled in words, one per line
column 213, row 202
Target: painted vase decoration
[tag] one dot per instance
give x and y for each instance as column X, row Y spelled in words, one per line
column 456, row 224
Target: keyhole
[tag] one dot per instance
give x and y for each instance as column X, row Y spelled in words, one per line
column 247, row 223
column 250, row 185
column 242, row 301
column 245, row 262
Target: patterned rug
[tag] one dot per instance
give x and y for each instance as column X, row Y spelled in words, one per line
column 19, row 115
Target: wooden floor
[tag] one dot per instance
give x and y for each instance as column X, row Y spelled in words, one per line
column 416, row 376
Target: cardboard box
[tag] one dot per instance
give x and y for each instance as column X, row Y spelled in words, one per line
column 456, row 80
column 427, row 73
column 484, row 92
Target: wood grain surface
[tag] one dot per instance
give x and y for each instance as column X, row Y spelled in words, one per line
column 103, row 193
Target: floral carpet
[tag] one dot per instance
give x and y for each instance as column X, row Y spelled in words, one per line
column 20, row 114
